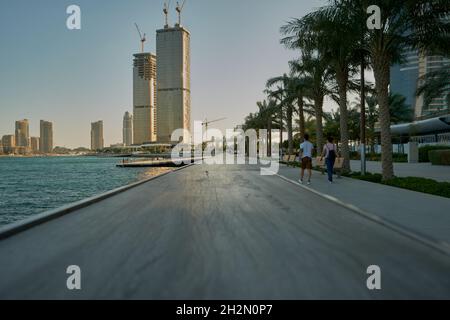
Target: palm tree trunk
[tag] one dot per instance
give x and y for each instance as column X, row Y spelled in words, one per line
column 372, row 138
column 269, row 143
column 301, row 114
column 318, row 105
column 382, row 73
column 289, row 129
column 281, row 129
column 345, row 150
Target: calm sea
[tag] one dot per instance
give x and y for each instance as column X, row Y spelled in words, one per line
column 33, row 185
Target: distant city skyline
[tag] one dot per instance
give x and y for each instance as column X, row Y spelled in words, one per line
column 235, row 49
column 23, row 143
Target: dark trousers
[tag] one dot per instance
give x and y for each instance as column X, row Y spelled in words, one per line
column 330, row 168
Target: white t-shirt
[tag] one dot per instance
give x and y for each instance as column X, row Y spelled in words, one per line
column 307, row 148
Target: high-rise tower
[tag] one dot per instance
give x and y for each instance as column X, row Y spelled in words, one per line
column 174, row 85
column 144, row 98
column 127, row 129
column 97, row 142
column 34, row 144
column 46, row 139
column 405, row 80
column 22, row 133
column 408, row 76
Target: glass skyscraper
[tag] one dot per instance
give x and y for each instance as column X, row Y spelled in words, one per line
column 22, row 133
column 174, row 85
column 127, row 129
column 97, row 142
column 46, row 137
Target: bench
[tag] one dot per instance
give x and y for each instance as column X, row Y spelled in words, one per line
column 337, row 165
column 288, row 159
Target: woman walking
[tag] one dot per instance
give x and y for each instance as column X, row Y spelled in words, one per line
column 330, row 154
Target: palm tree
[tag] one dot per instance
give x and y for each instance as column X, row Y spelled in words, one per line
column 414, row 24
column 278, row 95
column 267, row 109
column 316, row 68
column 293, row 90
column 252, row 121
column 301, row 90
column 335, row 38
column 400, row 111
column 434, row 84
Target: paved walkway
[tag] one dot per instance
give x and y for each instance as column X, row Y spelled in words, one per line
column 421, row 213
column 218, row 232
column 425, row 170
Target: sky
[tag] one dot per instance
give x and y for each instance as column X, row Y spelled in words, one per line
column 75, row 77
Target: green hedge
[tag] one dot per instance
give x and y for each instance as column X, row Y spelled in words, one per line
column 440, row 157
column 425, row 150
column 424, row 185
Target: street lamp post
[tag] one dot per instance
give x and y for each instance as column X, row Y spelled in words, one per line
column 363, row 117
column 363, row 104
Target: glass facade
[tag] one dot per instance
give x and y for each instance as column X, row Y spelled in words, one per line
column 127, row 129
column 46, row 140
column 22, row 133
column 405, row 80
column 97, row 135
column 173, row 74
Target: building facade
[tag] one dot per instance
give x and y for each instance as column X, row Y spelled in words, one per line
column 174, row 85
column 127, row 129
column 22, row 133
column 9, row 143
column 46, row 137
column 97, row 142
column 406, row 78
column 427, row 64
column 144, row 98
column 34, row 144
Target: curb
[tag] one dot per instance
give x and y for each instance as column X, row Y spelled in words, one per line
column 20, row 226
column 441, row 246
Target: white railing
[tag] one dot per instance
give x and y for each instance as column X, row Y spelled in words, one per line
column 444, row 138
column 424, row 139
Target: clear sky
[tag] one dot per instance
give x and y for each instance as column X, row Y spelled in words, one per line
column 76, row 77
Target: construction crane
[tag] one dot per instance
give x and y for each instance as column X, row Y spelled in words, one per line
column 206, row 123
column 143, row 39
column 166, row 12
column 179, row 9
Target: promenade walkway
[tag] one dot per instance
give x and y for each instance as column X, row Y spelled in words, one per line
column 424, row 170
column 219, row 232
column 421, row 213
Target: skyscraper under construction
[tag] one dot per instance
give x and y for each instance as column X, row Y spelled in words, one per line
column 144, row 98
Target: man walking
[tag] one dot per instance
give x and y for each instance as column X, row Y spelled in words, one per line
column 306, row 150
